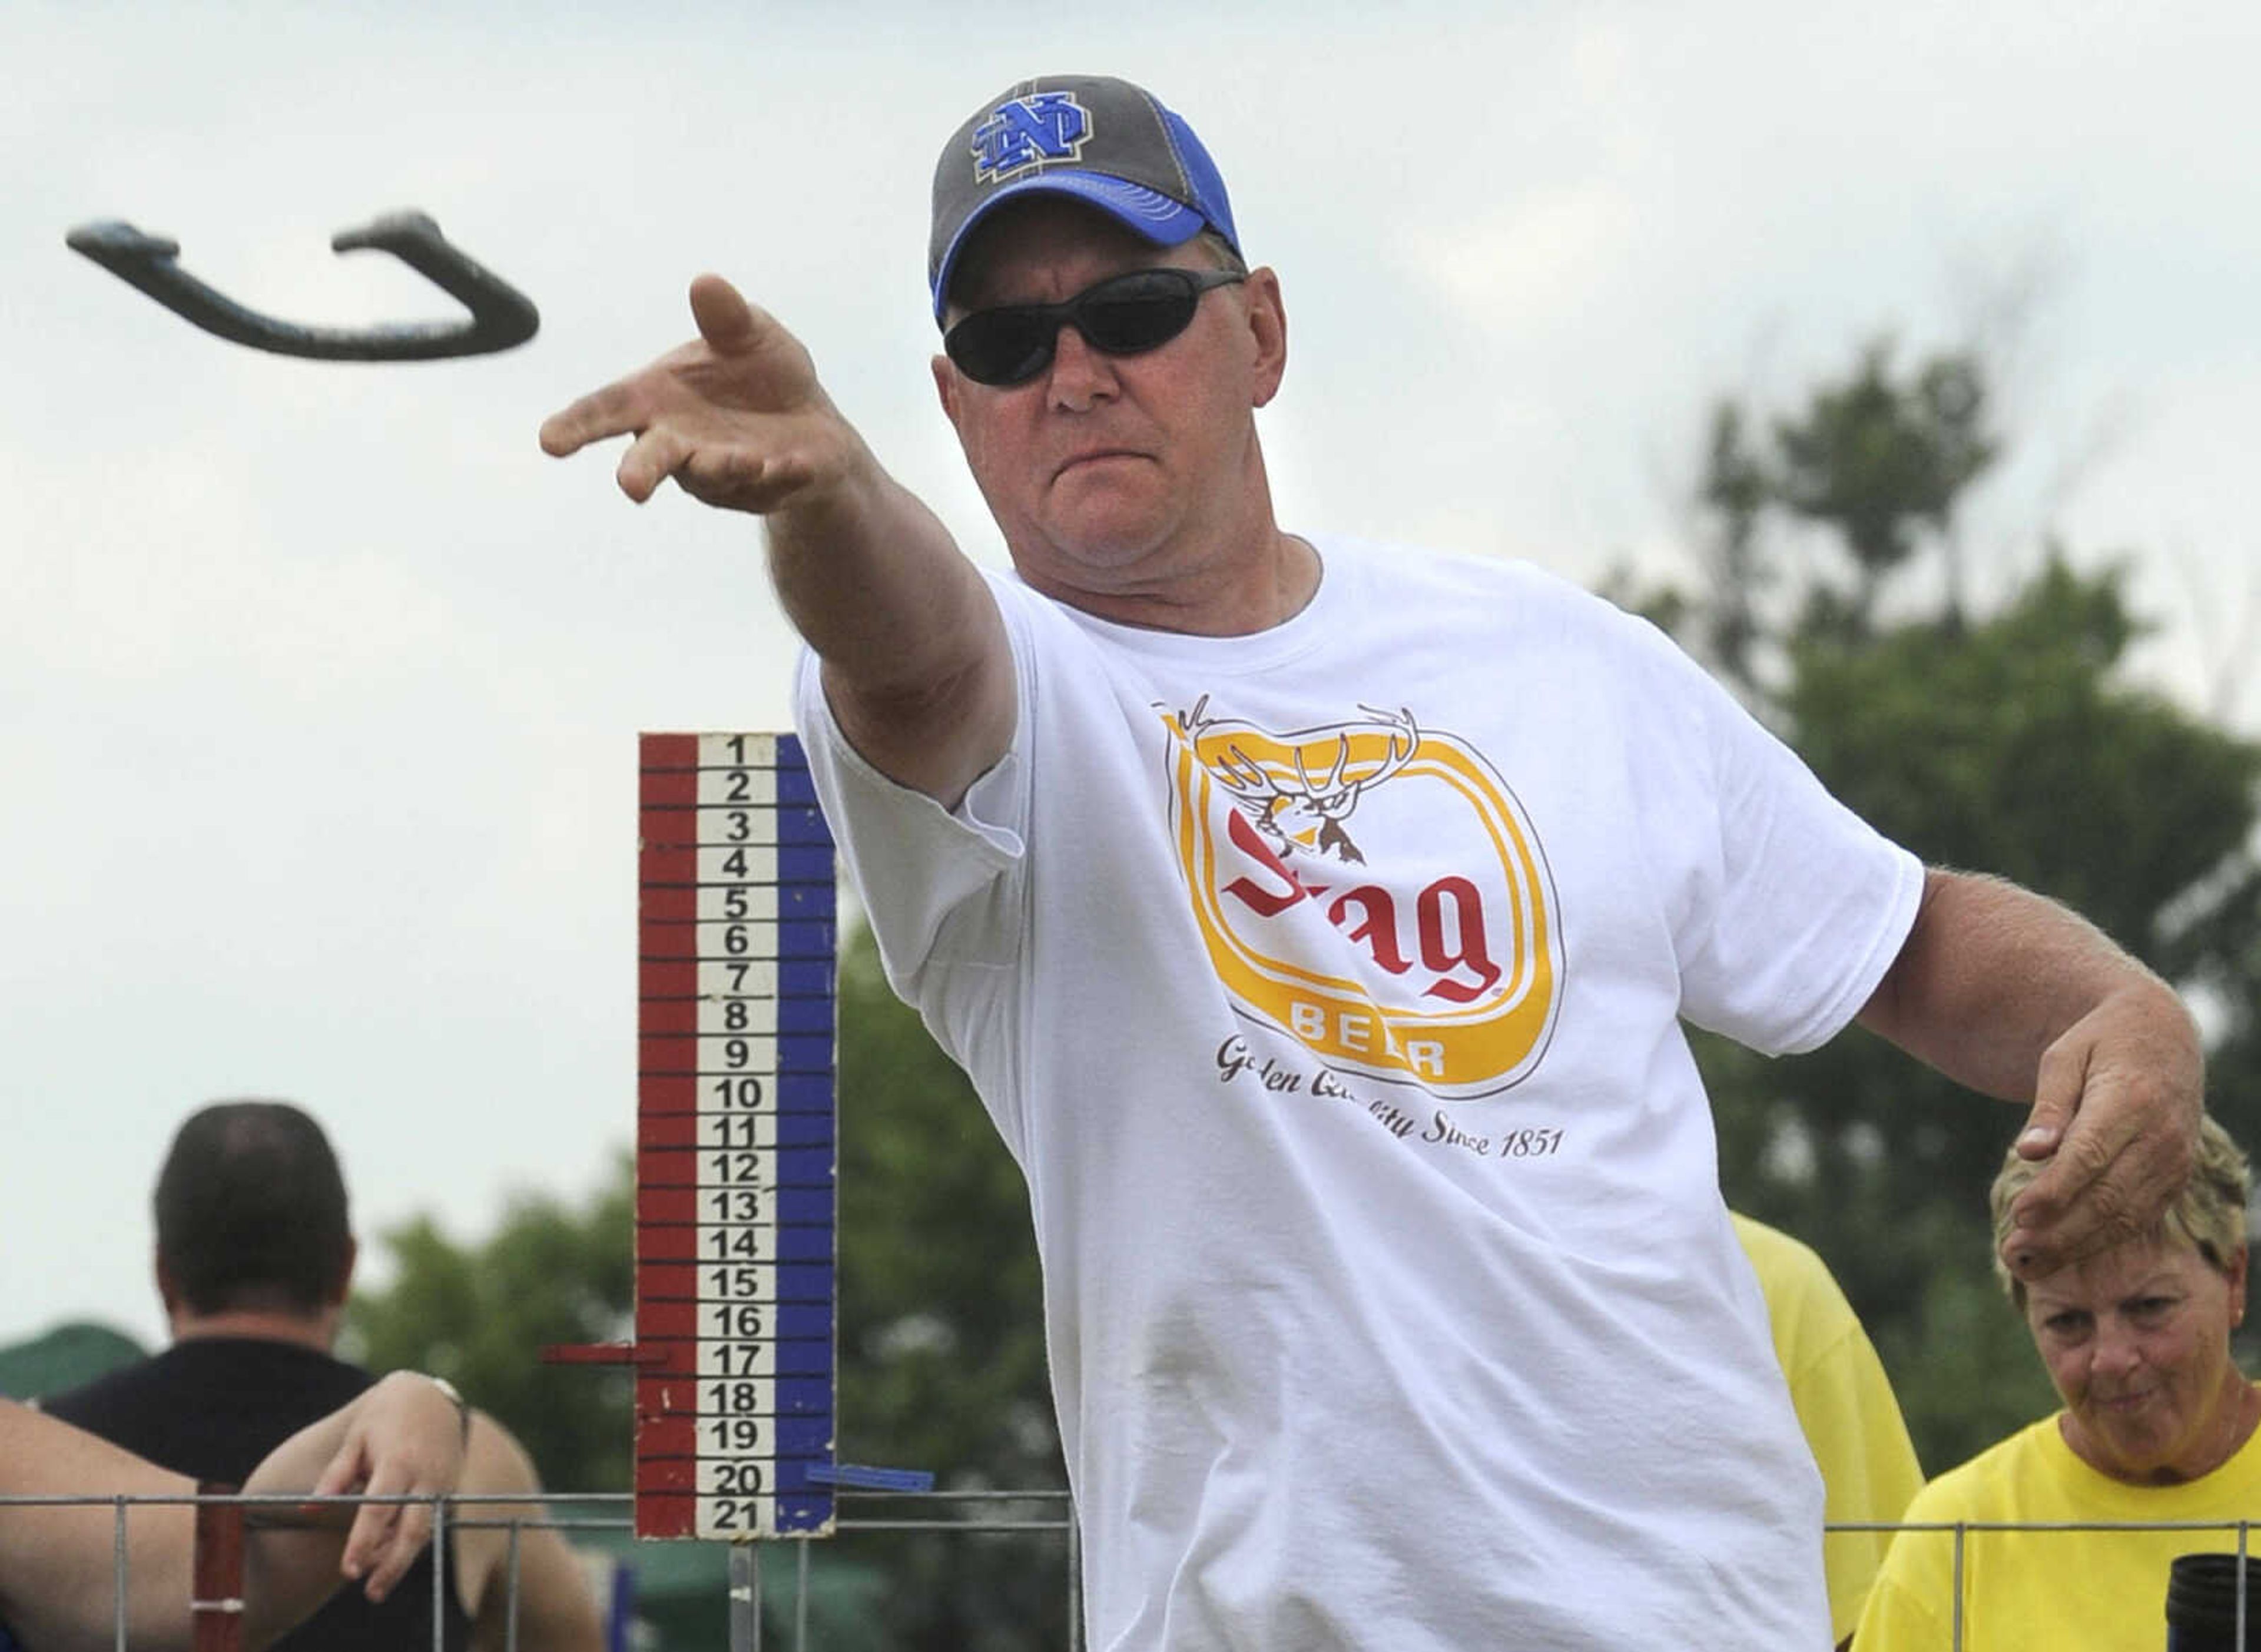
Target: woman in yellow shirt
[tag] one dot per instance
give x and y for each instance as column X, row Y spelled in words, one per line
column 2158, row 1426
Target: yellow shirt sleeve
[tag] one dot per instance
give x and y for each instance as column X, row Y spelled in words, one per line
column 1845, row 1405
column 1897, row 1617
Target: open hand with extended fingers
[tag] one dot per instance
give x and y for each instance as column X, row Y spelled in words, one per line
column 2115, row 1116
column 736, row 416
column 405, row 1438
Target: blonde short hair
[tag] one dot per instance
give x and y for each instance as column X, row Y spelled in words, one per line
column 2207, row 1215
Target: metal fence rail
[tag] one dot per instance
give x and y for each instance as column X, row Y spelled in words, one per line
column 968, row 1513
column 961, row 1514
column 1964, row 1530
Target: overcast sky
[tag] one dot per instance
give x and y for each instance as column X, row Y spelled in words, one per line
column 319, row 686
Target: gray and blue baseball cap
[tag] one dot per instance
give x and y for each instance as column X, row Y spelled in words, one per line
column 1089, row 136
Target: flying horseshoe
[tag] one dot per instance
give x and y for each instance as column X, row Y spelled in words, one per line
column 501, row 316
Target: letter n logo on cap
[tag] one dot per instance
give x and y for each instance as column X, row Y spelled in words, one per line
column 1025, row 131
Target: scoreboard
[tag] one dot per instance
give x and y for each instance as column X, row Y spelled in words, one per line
column 735, row 1141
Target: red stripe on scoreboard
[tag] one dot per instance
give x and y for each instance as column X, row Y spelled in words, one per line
column 735, row 1160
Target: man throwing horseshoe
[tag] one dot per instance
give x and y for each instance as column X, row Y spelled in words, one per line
column 1316, row 919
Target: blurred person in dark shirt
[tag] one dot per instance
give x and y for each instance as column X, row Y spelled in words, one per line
column 254, row 1258
column 80, row 1574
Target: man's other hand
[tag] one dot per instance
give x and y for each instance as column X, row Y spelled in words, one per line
column 2115, row 1114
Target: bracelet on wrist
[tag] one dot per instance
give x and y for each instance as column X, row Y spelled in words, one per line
column 455, row 1398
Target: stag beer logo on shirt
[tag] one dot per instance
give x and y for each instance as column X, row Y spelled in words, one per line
column 1372, row 887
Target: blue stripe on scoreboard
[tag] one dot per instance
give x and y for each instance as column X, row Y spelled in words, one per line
column 737, row 1142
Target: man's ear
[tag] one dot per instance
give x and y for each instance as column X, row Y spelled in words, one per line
column 1268, row 322
column 168, row 1292
column 346, row 1273
column 945, row 387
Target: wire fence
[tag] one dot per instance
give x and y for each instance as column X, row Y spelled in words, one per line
column 762, row 1612
column 763, row 1582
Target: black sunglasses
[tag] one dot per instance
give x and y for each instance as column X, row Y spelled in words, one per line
column 1123, row 315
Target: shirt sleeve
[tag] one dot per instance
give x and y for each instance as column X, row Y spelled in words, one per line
column 944, row 891
column 1903, row 1613
column 1912, row 1604
column 913, row 864
column 1793, row 907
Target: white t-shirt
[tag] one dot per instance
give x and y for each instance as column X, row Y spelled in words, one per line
column 1326, row 985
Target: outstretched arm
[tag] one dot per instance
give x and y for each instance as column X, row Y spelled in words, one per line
column 2015, row 995
column 914, row 657
column 57, row 1561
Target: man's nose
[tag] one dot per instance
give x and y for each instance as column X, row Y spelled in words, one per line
column 1081, row 374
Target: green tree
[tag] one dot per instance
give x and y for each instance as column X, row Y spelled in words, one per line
column 1884, row 461
column 2012, row 743
column 481, row 1314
